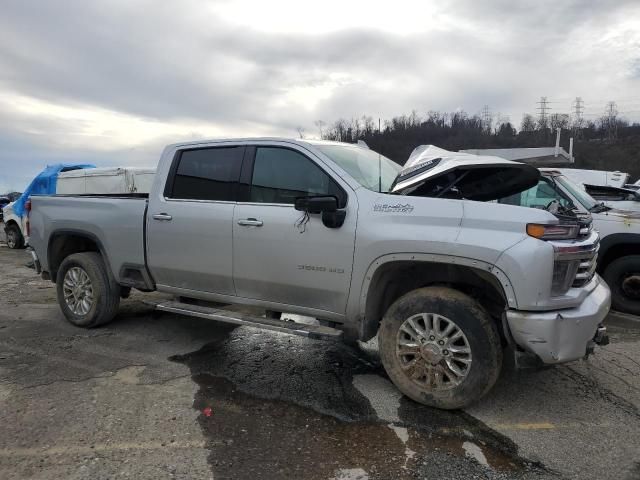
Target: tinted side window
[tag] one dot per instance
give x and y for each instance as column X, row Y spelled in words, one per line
column 280, row 175
column 207, row 174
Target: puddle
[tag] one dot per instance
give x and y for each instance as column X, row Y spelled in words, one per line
column 249, row 437
column 341, row 420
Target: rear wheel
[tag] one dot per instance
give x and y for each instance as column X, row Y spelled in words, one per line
column 623, row 277
column 440, row 347
column 87, row 293
column 14, row 237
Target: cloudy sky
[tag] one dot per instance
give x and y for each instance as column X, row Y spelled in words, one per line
column 111, row 82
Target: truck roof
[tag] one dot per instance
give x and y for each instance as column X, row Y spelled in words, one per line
column 297, row 141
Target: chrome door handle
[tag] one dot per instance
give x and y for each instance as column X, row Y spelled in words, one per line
column 250, row 222
column 162, row 216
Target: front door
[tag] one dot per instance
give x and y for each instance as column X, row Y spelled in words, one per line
column 190, row 226
column 279, row 254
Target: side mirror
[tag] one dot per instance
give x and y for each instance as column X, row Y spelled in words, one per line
column 319, row 204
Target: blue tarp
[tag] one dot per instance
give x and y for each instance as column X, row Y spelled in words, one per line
column 45, row 183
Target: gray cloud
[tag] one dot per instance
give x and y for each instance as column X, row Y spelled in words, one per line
column 167, row 61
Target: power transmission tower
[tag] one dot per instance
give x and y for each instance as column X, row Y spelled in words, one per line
column 543, row 110
column 611, row 121
column 578, row 120
column 485, row 116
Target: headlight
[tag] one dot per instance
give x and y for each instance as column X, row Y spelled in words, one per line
column 552, row 232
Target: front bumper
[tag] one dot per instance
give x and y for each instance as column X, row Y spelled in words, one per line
column 563, row 335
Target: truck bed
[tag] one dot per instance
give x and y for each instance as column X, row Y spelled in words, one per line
column 115, row 222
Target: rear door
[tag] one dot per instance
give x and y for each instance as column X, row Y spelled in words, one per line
column 190, row 227
column 280, row 255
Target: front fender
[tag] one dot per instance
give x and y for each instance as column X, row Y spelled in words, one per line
column 500, row 275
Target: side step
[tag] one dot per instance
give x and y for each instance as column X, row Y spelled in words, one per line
column 238, row 318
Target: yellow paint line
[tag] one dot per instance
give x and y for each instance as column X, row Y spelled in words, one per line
column 100, row 447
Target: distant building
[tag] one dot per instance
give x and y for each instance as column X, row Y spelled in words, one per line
column 538, row 157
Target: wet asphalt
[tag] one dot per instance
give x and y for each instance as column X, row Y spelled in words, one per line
column 155, row 395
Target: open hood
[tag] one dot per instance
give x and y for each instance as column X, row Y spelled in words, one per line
column 435, row 172
column 612, row 194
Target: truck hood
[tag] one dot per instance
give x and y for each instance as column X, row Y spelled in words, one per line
column 613, row 194
column 434, row 172
column 621, row 213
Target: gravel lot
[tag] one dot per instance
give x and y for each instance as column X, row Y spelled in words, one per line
column 162, row 396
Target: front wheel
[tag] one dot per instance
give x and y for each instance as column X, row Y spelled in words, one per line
column 87, row 293
column 623, row 277
column 440, row 347
column 15, row 239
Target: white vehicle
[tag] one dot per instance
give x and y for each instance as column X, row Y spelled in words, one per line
column 595, row 177
column 619, row 252
column 103, row 181
column 14, row 226
column 615, row 197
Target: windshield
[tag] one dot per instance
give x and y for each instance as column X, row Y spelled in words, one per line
column 577, row 193
column 539, row 196
column 370, row 169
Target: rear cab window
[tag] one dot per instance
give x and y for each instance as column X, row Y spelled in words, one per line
column 206, row 174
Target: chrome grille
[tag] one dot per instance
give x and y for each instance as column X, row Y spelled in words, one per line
column 586, row 270
column 575, row 263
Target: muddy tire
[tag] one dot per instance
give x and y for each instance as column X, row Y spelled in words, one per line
column 623, row 277
column 14, row 239
column 88, row 294
column 440, row 347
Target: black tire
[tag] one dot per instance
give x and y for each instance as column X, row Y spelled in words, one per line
column 105, row 290
column 471, row 319
column 623, row 277
column 15, row 239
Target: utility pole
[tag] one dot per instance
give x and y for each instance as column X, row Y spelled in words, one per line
column 543, row 110
column 611, row 120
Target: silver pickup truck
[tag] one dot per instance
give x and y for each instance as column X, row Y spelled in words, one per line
column 417, row 255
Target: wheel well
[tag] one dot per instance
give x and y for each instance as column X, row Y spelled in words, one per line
column 63, row 245
column 392, row 280
column 11, row 223
column 617, row 251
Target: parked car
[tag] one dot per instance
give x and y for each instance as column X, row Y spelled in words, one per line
column 4, row 201
column 338, row 232
column 16, row 221
column 619, row 249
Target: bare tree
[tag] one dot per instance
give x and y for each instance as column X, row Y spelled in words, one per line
column 528, row 123
column 559, row 120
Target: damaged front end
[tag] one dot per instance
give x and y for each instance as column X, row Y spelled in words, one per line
column 563, row 322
